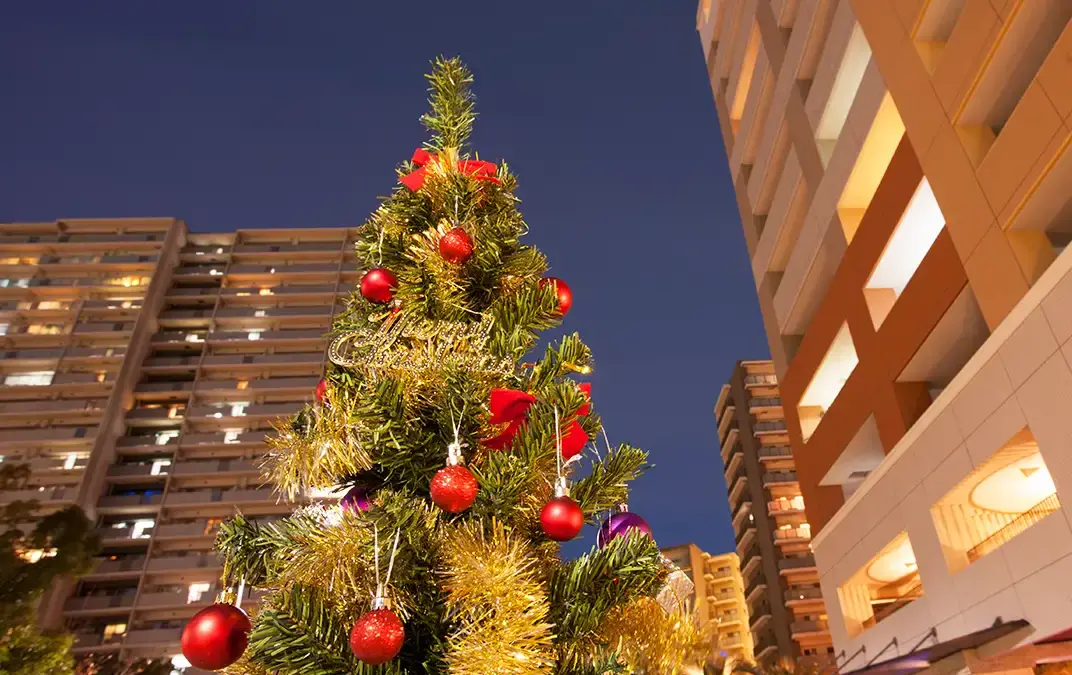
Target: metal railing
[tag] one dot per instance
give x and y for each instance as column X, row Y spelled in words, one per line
column 1015, row 527
column 914, row 592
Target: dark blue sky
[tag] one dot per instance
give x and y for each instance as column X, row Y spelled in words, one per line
column 280, row 114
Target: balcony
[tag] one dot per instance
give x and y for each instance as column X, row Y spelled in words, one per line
column 730, row 446
column 129, row 503
column 202, row 528
column 99, row 603
column 733, row 466
column 44, row 496
column 792, row 535
column 202, row 497
column 254, row 437
column 183, row 563
column 175, row 599
column 797, row 564
column 48, row 437
column 163, row 387
column 775, row 452
column 801, row 629
column 769, row 427
column 802, row 595
column 294, row 289
column 751, row 381
column 737, row 489
column 724, row 424
column 786, row 506
column 1014, row 527
column 308, row 268
column 783, row 478
column 292, row 358
column 153, row 636
column 120, row 566
column 212, row 467
column 762, row 402
column 268, row 335
column 290, row 248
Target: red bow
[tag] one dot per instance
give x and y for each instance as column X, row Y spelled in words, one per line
column 511, row 407
column 470, row 167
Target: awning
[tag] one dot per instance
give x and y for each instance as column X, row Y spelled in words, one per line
column 921, row 659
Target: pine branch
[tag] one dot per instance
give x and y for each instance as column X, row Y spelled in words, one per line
column 302, row 634
column 519, row 318
column 451, row 117
column 605, row 487
column 585, row 589
column 571, row 354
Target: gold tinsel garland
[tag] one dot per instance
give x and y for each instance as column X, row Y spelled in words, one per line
column 653, row 641
column 495, row 596
column 300, row 460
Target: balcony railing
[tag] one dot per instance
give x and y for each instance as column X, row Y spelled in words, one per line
column 913, row 592
column 761, row 379
column 1015, row 527
column 775, row 451
column 801, row 562
column 798, row 594
column 774, row 425
column 799, row 627
column 774, row 477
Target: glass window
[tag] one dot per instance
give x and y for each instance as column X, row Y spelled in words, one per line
column 40, row 378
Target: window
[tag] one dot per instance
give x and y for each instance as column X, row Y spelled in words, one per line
column 39, row 378
column 831, row 375
column 254, row 335
column 141, row 529
column 114, row 630
column 3, row 328
column 232, row 436
column 259, row 313
column 14, row 283
column 846, row 83
column 44, row 329
column 1004, row 496
column 195, row 592
column 159, row 467
column 165, row 437
column 871, row 164
column 70, row 461
column 885, row 584
column 194, row 337
column 266, row 291
column 238, row 410
column 913, row 237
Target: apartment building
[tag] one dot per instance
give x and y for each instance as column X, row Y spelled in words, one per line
column 781, row 582
column 142, row 367
column 717, row 598
column 903, row 176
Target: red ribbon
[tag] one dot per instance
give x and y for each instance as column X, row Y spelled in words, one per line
column 471, row 167
column 511, row 407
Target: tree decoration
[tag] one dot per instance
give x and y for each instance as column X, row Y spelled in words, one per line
column 215, row 637
column 655, row 642
column 481, row 592
column 455, row 246
column 562, row 292
column 321, row 391
column 378, row 635
column 454, row 488
column 378, row 285
column 561, row 518
column 619, row 524
column 356, row 500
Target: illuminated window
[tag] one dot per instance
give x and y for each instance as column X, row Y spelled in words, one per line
column 39, row 378
column 215, row 272
column 175, row 411
column 101, row 375
column 196, row 591
column 114, row 630
column 194, row 337
column 14, row 283
column 242, row 384
column 744, row 78
column 870, row 167
column 885, row 584
column 70, row 461
column 141, row 529
column 259, row 312
column 266, row 291
column 826, row 384
column 916, row 232
column 3, row 328
column 51, row 304
column 846, row 83
column 271, row 271
column 254, row 335
column 232, row 436
column 239, row 409
column 159, row 467
column 165, row 437
column 219, row 250
column 44, row 329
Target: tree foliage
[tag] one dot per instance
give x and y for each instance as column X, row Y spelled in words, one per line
column 484, row 586
column 58, row 544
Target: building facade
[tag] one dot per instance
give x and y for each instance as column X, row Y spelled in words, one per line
column 903, row 173
column 143, row 366
column 718, row 597
column 785, row 605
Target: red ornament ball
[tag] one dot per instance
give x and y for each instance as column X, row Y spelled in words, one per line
column 215, row 637
column 378, row 285
column 565, row 295
column 456, row 246
column 454, row 489
column 377, row 637
column 561, row 519
column 321, row 391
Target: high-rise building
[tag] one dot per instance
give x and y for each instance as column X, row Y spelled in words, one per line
column 903, row 172
column 142, row 367
column 785, row 605
column 717, row 598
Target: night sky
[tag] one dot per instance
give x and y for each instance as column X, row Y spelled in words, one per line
column 284, row 114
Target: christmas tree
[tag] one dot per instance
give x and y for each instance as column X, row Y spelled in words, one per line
column 464, row 465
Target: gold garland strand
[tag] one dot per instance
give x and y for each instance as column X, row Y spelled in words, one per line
column 495, row 595
column 655, row 642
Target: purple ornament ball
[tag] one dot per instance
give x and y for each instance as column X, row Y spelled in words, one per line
column 619, row 524
column 356, row 500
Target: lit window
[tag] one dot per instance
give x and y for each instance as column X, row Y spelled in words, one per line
column 14, row 283
column 127, row 304
column 114, row 630
column 232, row 435
column 159, row 466
column 266, row 291
column 33, row 555
column 3, row 328
column 242, row 384
column 101, row 375
column 39, row 378
column 50, row 304
column 271, row 271
column 141, row 529
column 195, row 592
column 254, row 335
column 238, row 410
column 259, row 312
column 165, row 437
column 219, row 250
column 920, row 225
column 175, row 411
column 218, row 415
column 194, row 337
column 215, row 272
column 69, row 463
column 826, row 384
